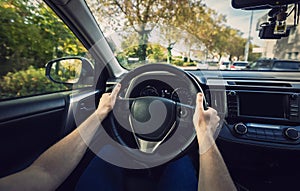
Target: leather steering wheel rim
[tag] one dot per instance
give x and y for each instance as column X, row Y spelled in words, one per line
column 126, row 82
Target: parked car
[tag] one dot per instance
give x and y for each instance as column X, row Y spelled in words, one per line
column 275, row 64
column 224, row 65
column 202, row 65
column 239, row 65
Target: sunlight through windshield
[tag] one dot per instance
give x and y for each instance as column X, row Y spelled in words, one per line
column 197, row 34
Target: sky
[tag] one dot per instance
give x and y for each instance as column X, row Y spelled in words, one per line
column 238, row 19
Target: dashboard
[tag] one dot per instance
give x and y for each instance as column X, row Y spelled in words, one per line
column 259, row 140
column 260, row 137
column 165, row 86
column 260, row 107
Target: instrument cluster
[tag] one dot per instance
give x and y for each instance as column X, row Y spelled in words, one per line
column 161, row 89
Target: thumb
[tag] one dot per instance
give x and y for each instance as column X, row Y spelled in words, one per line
column 199, row 102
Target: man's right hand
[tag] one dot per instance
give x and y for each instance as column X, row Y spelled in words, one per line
column 206, row 123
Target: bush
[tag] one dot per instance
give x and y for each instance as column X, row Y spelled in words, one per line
column 156, row 53
column 27, row 82
column 178, row 62
column 189, row 64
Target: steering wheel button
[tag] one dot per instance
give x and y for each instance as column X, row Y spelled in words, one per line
column 182, row 112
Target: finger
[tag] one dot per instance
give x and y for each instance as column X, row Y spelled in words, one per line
column 115, row 91
column 199, row 101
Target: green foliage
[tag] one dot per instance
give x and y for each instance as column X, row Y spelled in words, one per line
column 254, row 56
column 178, row 62
column 131, row 51
column 122, row 58
column 142, row 16
column 189, row 64
column 27, row 82
column 156, row 53
column 31, row 34
column 67, row 71
column 191, row 22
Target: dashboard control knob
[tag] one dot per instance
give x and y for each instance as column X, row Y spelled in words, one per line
column 294, row 96
column 240, row 129
column 292, row 133
column 232, row 93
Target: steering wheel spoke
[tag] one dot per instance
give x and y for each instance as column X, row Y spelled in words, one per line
column 148, row 146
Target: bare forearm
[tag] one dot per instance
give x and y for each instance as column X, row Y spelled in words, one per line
column 61, row 159
column 55, row 164
column 213, row 174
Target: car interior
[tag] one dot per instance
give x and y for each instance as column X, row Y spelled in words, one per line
column 259, row 109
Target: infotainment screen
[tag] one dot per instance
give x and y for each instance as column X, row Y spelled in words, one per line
column 262, row 104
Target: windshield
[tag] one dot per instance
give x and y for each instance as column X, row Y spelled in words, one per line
column 190, row 33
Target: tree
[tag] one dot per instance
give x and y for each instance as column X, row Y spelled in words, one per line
column 201, row 25
column 192, row 24
column 169, row 36
column 198, row 25
column 142, row 16
column 228, row 41
column 31, row 34
column 236, row 45
column 156, row 53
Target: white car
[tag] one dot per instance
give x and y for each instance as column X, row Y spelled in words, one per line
column 239, row 65
column 202, row 65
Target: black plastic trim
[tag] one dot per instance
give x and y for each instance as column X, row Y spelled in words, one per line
column 22, row 107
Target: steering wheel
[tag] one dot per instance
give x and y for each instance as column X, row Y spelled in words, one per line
column 155, row 129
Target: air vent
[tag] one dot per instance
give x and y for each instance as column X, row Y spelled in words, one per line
column 265, row 84
column 232, row 104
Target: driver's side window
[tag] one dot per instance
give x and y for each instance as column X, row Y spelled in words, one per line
column 30, row 36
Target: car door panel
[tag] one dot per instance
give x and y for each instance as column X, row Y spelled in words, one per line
column 14, row 109
column 81, row 104
column 28, row 126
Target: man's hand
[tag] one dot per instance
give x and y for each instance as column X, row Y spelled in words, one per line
column 107, row 102
column 213, row 173
column 206, row 123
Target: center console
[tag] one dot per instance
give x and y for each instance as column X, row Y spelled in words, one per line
column 271, row 116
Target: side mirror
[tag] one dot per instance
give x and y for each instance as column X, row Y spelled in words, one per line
column 71, row 71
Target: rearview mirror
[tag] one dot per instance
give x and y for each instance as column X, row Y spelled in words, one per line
column 70, row 71
column 260, row 4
